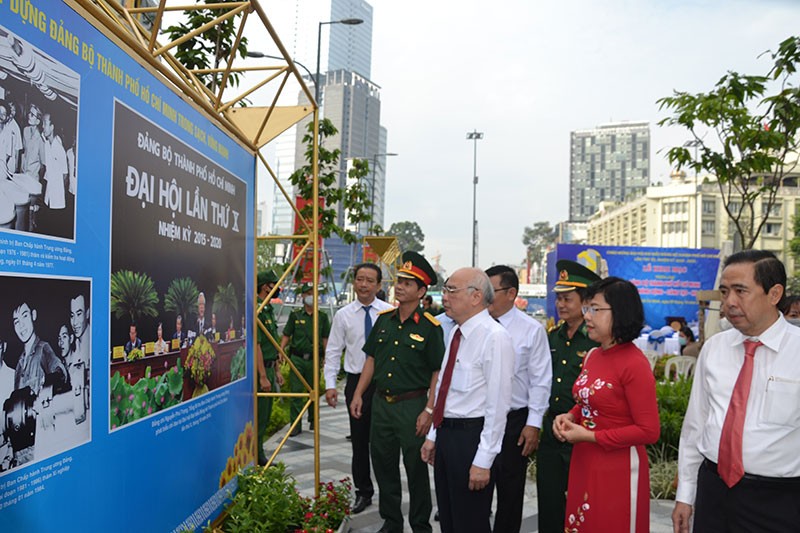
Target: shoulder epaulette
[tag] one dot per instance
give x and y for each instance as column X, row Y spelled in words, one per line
column 390, row 310
column 555, row 326
column 432, row 319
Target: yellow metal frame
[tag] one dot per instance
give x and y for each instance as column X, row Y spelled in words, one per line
column 252, row 127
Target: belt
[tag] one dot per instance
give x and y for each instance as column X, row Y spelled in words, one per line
column 764, row 480
column 303, row 356
column 462, row 423
column 394, row 398
column 517, row 412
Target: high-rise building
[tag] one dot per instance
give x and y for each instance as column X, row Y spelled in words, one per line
column 350, row 47
column 607, row 163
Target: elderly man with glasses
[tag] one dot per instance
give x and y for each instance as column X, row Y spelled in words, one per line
column 472, row 401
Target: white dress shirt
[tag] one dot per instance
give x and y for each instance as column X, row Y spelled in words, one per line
column 347, row 334
column 479, row 386
column 447, row 324
column 771, row 438
column 533, row 367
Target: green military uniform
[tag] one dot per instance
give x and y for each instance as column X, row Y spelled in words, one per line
column 406, row 355
column 553, row 456
column 300, row 327
column 270, row 354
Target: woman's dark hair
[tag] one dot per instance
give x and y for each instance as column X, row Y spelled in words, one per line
column 788, row 302
column 687, row 331
column 627, row 312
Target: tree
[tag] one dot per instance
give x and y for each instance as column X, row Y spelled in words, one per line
column 181, row 297
column 354, row 197
column 226, row 304
column 409, row 236
column 210, row 48
column 757, row 132
column 133, row 294
column 536, row 240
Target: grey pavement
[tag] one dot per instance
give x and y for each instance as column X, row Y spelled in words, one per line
column 298, row 455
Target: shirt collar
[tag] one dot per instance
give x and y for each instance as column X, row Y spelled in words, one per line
column 771, row 337
column 507, row 317
column 474, row 321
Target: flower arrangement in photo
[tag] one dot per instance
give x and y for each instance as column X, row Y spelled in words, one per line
column 135, row 354
column 326, row 512
column 198, row 362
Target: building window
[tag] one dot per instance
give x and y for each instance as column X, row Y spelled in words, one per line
column 773, row 230
column 775, row 210
column 709, row 227
column 709, row 207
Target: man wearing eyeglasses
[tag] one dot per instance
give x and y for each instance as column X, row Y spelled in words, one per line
column 472, row 401
column 569, row 342
column 530, row 391
column 404, row 352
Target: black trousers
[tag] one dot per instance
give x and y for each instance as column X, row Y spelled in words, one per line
column 460, row 510
column 510, row 469
column 765, row 505
column 359, row 436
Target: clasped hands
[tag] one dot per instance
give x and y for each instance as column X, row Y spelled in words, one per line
column 566, row 430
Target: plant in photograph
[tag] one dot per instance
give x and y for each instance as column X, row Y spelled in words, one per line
column 199, row 361
column 135, row 354
column 238, row 364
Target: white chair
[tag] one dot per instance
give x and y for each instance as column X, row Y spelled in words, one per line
column 683, row 365
column 652, row 357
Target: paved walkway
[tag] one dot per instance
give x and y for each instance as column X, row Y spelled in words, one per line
column 298, row 455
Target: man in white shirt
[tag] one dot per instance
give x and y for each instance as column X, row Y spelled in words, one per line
column 739, row 466
column 472, row 401
column 348, row 334
column 530, row 391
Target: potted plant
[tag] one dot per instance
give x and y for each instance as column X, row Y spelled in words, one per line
column 198, row 362
column 330, row 512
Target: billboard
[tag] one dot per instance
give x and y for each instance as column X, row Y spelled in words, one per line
column 667, row 278
column 126, row 260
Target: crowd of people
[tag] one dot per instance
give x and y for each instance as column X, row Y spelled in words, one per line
column 37, row 146
column 435, row 391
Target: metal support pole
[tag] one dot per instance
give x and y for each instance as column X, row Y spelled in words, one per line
column 474, row 135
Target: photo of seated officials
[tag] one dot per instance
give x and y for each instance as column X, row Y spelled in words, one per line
column 45, row 348
column 38, row 140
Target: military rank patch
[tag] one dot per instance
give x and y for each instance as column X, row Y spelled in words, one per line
column 416, row 337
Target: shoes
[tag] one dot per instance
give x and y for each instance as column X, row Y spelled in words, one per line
column 384, row 529
column 349, row 437
column 436, row 516
column 311, row 426
column 296, row 431
column 262, row 461
column 361, row 503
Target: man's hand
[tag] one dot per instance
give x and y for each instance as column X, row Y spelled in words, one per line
column 424, row 421
column 279, row 376
column 428, row 451
column 331, row 396
column 681, row 517
column 266, row 386
column 355, row 406
column 529, row 440
column 478, row 477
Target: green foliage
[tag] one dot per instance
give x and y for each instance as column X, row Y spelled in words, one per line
column 133, row 294
column 673, row 399
column 755, row 131
column 226, row 303
column 279, row 417
column 327, row 512
column 238, row 364
column 210, row 48
column 332, row 189
column 146, row 396
column 181, row 296
column 135, row 354
column 409, row 236
column 266, row 502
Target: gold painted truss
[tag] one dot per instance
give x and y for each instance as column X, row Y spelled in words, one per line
column 251, row 126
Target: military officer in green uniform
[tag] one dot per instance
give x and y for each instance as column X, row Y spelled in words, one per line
column 298, row 334
column 569, row 343
column 404, row 353
column 267, row 357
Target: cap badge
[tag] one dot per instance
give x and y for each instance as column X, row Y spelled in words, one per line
column 407, row 265
column 563, row 275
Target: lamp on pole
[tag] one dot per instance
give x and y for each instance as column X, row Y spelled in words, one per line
column 257, row 54
column 349, row 22
column 372, row 187
column 474, row 136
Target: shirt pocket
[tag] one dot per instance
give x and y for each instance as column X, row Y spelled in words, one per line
column 464, row 377
column 782, row 402
column 416, row 345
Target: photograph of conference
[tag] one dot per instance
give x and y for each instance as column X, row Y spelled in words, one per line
column 45, row 354
column 176, row 325
column 38, row 140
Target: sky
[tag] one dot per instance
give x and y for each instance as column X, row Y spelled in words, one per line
column 526, row 73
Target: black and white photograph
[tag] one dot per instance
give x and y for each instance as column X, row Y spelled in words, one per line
column 45, row 359
column 38, row 140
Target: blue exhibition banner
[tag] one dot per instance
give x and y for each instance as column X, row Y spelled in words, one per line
column 126, row 265
column 667, row 278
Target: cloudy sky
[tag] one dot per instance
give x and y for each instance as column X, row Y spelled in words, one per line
column 526, row 73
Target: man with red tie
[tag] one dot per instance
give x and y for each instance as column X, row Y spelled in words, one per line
column 739, row 466
column 473, row 396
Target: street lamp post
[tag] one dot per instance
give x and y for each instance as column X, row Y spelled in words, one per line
column 372, row 187
column 474, row 136
column 349, row 22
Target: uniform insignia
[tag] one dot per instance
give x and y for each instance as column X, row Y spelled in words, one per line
column 415, row 337
column 581, row 354
column 563, row 275
column 432, row 319
column 416, row 318
column 390, row 310
column 408, row 265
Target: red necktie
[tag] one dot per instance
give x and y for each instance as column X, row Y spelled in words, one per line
column 730, row 465
column 441, row 398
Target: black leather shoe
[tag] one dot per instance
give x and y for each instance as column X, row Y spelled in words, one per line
column 296, row 431
column 436, row 516
column 361, row 503
column 384, row 529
